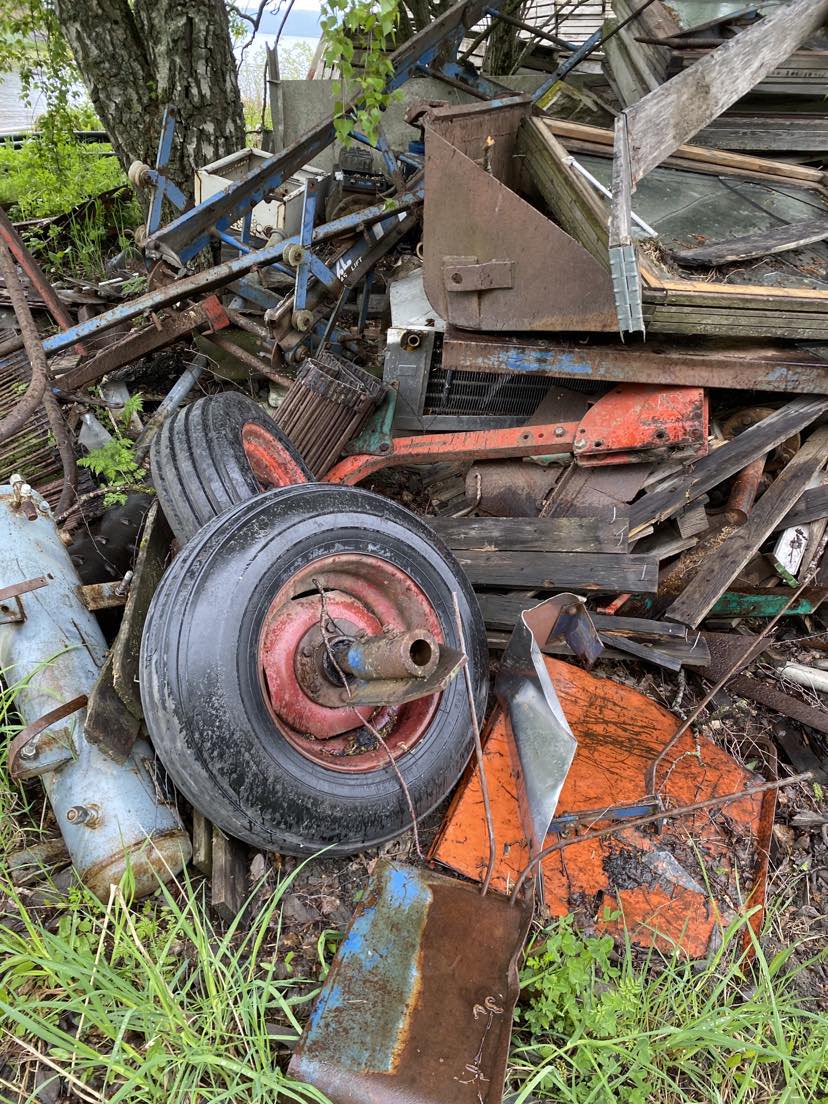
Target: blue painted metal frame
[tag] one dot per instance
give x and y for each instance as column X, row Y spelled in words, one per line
column 385, row 215
column 161, row 186
column 435, row 48
column 303, row 269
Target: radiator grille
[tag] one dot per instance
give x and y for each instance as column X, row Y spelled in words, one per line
column 457, row 392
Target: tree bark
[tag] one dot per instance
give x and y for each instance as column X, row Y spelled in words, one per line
column 503, row 46
column 137, row 58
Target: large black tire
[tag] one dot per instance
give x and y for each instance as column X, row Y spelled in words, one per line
column 199, row 464
column 201, row 686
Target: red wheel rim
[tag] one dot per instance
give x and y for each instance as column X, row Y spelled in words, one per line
column 271, row 463
column 363, row 593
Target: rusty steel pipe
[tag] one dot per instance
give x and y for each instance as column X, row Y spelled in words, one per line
column 17, row 248
column 744, row 489
column 402, row 655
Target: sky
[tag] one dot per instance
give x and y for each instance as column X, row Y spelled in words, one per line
column 303, row 21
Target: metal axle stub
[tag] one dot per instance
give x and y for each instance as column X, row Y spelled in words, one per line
column 413, row 653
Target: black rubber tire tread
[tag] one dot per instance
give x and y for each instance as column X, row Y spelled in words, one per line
column 202, row 697
column 199, row 467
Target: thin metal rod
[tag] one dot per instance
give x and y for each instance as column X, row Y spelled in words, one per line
column 652, row 818
column 478, row 748
column 742, row 661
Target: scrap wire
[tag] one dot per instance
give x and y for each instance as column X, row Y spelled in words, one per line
column 478, row 748
column 323, row 618
column 653, row 818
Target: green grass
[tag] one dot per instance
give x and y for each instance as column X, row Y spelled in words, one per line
column 152, row 1003
column 598, row 1028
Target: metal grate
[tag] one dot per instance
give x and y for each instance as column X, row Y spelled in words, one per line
column 456, row 392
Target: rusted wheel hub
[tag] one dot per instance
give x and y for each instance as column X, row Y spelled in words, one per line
column 331, row 602
column 270, row 462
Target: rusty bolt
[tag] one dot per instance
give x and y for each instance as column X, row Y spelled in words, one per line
column 559, row 431
column 580, row 444
column 29, row 751
column 89, row 815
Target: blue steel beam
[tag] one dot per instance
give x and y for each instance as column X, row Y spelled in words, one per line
column 185, row 236
column 385, row 215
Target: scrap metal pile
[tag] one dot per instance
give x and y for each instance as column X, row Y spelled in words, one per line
column 583, row 369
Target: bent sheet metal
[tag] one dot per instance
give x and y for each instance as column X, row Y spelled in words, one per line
column 414, row 1011
column 678, row 887
column 544, row 740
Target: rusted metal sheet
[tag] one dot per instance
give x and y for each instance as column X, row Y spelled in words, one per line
column 493, row 261
column 413, row 1011
column 746, row 367
column 678, row 886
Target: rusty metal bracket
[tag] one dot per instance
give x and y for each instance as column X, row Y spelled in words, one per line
column 108, row 595
column 29, row 757
column 9, row 615
column 465, row 274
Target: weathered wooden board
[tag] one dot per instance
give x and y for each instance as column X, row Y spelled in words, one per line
column 727, row 460
column 759, row 244
column 578, row 571
column 721, row 568
column 811, row 507
column 666, row 118
column 228, row 883
column 560, row 534
column 108, row 724
column 153, row 554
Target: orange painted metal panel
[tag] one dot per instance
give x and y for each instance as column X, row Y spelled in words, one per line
column 676, row 886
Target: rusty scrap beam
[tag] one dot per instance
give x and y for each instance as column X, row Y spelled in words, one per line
column 208, row 314
column 750, row 367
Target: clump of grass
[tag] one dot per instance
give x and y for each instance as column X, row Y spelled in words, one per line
column 596, row 1028
column 153, row 1004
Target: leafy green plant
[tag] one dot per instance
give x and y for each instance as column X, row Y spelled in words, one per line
column 368, row 26
column 114, row 462
column 595, row 1027
column 44, row 178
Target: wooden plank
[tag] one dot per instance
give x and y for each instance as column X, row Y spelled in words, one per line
column 228, row 880
column 813, row 506
column 202, row 843
column 665, row 119
column 758, row 244
column 722, row 567
column 560, row 534
column 108, row 725
column 598, row 573
column 671, row 654
column 153, row 553
column 708, row 160
column 725, row 461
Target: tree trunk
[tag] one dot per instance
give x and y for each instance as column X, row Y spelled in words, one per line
column 137, row 58
column 504, row 46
